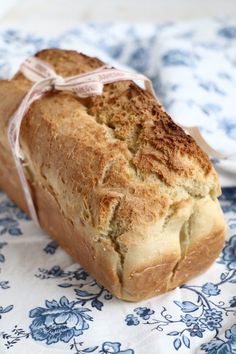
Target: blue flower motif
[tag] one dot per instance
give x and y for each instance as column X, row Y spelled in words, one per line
column 213, row 312
column 228, row 32
column 231, row 334
column 59, row 321
column 55, row 271
column 9, row 220
column 144, row 312
column 131, row 320
column 4, row 284
column 109, row 347
column 233, row 302
column 210, row 289
column 81, row 274
column 179, row 57
column 196, row 331
column 51, row 247
column 229, row 253
column 189, row 320
column 114, row 348
column 212, row 319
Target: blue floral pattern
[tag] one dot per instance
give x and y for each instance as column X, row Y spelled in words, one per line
column 208, row 314
column 5, row 309
column 94, row 293
column 58, row 321
column 10, row 217
column 179, row 57
column 65, row 309
column 2, row 257
column 229, row 254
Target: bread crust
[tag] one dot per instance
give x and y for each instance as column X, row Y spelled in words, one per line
column 122, row 188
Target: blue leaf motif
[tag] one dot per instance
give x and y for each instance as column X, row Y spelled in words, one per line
column 82, row 293
column 3, row 231
column 15, row 231
column 97, row 304
column 36, row 312
column 6, row 221
column 174, row 333
column 6, row 309
column 212, row 346
column 64, row 301
column 177, row 343
column 2, row 244
column 90, row 349
column 228, row 32
column 2, row 258
column 224, row 349
column 65, row 285
column 187, row 306
column 179, row 57
column 186, row 341
column 223, row 276
column 51, row 304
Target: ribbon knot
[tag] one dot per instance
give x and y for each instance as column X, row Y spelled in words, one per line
column 57, row 80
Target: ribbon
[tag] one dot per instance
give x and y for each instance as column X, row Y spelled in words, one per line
column 84, row 85
column 46, row 79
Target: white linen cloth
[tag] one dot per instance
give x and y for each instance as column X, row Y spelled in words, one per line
column 48, row 303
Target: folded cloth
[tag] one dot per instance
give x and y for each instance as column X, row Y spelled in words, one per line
column 48, row 303
column 197, row 81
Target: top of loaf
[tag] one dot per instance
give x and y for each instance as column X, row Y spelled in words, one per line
column 116, row 160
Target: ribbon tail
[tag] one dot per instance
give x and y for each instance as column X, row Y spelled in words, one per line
column 36, row 91
column 197, row 136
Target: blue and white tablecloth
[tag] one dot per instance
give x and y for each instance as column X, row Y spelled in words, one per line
column 48, row 303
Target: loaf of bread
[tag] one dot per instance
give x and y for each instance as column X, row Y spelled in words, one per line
column 115, row 182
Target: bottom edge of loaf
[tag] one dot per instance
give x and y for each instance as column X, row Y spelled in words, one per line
column 99, row 260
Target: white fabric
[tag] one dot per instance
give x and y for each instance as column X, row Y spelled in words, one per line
column 48, row 304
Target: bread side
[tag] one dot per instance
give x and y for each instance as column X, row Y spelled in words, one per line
column 129, row 194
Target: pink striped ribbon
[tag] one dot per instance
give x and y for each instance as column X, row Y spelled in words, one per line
column 84, row 85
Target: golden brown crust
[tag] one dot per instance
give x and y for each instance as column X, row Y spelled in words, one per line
column 150, row 280
column 122, row 178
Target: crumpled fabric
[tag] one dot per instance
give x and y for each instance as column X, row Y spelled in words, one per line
column 48, row 303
